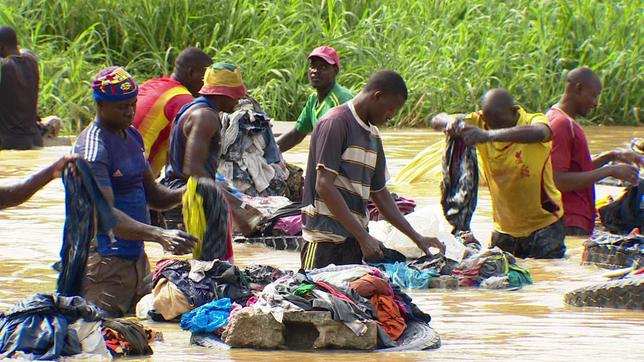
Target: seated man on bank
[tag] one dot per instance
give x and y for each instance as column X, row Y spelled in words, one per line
column 514, row 147
column 118, row 270
column 324, row 65
column 575, row 171
column 160, row 99
column 346, row 168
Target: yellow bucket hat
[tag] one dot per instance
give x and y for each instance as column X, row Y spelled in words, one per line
column 223, row 79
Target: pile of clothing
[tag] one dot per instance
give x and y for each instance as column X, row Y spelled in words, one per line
column 250, row 156
column 183, row 285
column 626, row 213
column 352, row 293
column 50, row 326
column 491, row 268
column 612, row 251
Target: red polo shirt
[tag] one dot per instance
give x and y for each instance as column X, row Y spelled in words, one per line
column 570, row 152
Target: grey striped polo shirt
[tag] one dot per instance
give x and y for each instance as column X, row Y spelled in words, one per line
column 351, row 148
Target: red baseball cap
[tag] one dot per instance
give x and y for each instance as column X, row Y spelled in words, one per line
column 327, row 53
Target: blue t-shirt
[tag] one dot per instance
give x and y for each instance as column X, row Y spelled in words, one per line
column 118, row 160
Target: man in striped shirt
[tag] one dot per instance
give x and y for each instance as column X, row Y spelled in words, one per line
column 324, row 65
column 346, row 168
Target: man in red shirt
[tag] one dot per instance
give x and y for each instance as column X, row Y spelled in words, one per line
column 160, row 99
column 575, row 172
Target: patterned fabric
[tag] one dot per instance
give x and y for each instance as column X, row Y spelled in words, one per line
column 158, row 102
column 223, row 79
column 114, row 84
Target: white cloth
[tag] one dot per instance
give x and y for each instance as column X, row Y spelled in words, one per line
column 340, row 275
column 91, row 339
column 198, row 269
column 259, row 170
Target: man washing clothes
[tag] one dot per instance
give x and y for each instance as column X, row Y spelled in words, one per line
column 514, row 147
column 575, row 171
column 118, row 270
column 347, row 167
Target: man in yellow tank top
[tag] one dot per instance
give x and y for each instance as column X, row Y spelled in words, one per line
column 514, row 147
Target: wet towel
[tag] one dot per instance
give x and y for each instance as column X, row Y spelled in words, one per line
column 206, row 215
column 208, row 318
column 459, row 187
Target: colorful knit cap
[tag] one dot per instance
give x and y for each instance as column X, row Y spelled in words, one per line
column 223, row 79
column 114, row 84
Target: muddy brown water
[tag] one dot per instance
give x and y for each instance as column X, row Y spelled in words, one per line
column 475, row 324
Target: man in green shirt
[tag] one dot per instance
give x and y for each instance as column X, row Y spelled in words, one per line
column 324, row 65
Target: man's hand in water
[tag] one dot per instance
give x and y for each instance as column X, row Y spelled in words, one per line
column 176, row 241
column 59, row 166
column 371, row 249
column 426, row 242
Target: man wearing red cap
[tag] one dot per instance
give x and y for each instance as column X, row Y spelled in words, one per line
column 324, row 65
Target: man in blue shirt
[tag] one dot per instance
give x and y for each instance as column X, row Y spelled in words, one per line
column 118, row 266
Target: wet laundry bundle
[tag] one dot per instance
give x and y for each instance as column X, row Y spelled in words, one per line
column 86, row 213
column 51, row 326
column 626, row 213
column 183, row 285
column 39, row 327
column 206, row 215
column 459, row 187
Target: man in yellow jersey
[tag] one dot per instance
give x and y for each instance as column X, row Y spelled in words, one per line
column 324, row 65
column 514, row 147
column 160, row 99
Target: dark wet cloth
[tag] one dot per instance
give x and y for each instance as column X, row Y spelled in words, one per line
column 261, row 275
column 546, row 243
column 626, row 213
column 223, row 280
column 39, row 326
column 217, row 239
column 86, row 212
column 125, row 337
column 459, row 187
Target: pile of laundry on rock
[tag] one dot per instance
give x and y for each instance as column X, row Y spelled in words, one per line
column 352, row 306
column 50, row 326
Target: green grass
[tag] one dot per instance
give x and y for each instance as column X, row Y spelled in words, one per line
column 449, row 52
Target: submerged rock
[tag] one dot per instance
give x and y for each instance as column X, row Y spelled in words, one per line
column 298, row 330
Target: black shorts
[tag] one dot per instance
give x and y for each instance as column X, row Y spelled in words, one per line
column 319, row 255
column 546, row 243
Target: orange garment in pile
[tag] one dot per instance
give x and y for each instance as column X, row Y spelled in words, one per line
column 382, row 298
column 158, row 102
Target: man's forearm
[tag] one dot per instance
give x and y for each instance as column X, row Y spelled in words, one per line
column 520, row 134
column 602, row 159
column 129, row 229
column 162, row 198
column 20, row 192
column 290, row 139
column 572, row 181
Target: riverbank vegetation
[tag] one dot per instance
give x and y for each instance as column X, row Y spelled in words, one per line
column 449, row 51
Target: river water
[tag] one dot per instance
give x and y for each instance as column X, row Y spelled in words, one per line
column 475, row 324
